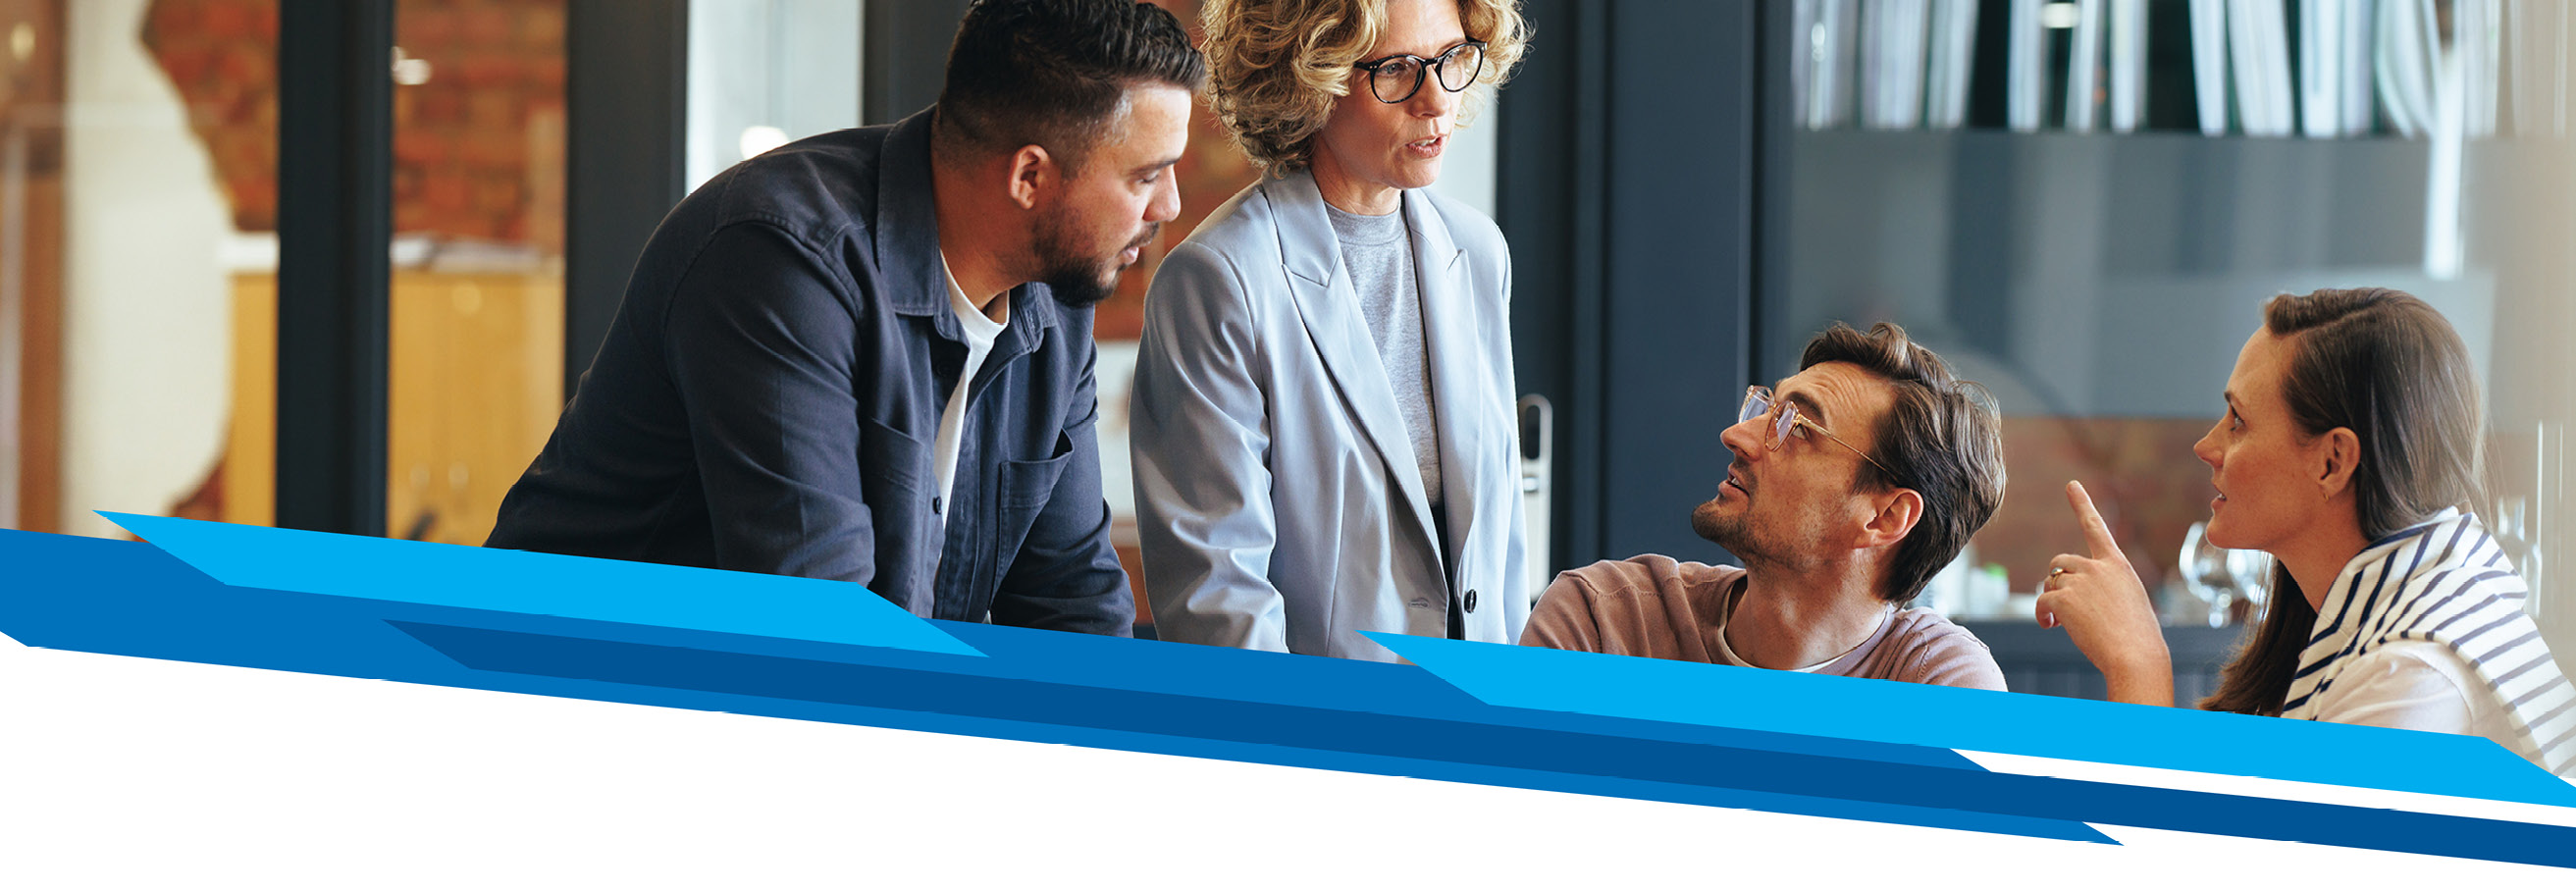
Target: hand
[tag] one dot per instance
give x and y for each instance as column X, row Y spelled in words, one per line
column 2105, row 609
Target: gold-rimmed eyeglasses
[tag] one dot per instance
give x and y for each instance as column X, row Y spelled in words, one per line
column 1759, row 402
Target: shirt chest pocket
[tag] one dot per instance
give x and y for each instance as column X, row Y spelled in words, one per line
column 1024, row 489
column 891, row 459
column 894, row 475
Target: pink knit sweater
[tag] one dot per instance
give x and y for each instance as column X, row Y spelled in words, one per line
column 1653, row 606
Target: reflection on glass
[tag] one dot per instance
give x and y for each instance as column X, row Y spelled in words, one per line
column 220, row 59
column 2252, row 571
column 137, row 187
column 476, row 370
column 31, row 223
column 2101, row 283
column 2205, row 573
column 763, row 73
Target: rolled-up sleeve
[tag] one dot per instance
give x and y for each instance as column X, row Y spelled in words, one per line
column 1563, row 619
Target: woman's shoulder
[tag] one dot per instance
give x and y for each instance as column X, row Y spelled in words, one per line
column 1474, row 232
column 2406, row 683
column 1245, row 227
column 1236, row 250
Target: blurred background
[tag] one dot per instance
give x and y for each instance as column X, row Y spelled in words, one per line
column 336, row 264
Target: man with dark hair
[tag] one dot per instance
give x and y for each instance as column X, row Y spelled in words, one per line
column 867, row 355
column 1853, row 483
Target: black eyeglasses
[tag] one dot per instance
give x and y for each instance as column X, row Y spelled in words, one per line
column 1396, row 78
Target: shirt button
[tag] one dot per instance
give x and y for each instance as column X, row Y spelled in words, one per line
column 1471, row 600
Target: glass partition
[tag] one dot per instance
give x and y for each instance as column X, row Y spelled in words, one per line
column 2088, row 203
column 476, row 324
column 137, row 210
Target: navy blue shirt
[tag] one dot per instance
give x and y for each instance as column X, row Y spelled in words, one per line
column 769, row 396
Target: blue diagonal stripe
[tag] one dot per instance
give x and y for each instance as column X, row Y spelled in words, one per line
column 1840, row 761
column 1546, row 758
column 1988, row 721
column 547, row 584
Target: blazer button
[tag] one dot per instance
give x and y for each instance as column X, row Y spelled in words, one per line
column 934, row 504
column 1471, row 600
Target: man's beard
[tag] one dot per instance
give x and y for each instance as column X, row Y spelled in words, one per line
column 1726, row 531
column 1731, row 531
column 1075, row 280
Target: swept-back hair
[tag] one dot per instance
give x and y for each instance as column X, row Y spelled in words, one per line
column 2387, row 366
column 1055, row 73
column 1942, row 438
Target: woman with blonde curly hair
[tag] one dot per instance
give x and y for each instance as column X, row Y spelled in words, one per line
column 1322, row 419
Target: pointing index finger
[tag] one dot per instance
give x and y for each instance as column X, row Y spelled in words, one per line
column 2097, row 534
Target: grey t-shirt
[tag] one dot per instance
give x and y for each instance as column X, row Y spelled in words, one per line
column 1379, row 254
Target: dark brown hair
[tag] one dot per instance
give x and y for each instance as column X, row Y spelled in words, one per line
column 1943, row 439
column 1053, row 73
column 2387, row 366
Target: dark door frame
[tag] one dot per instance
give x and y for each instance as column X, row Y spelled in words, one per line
column 335, row 229
column 626, row 97
column 1631, row 152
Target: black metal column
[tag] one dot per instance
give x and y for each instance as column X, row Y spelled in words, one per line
column 904, row 56
column 1551, row 173
column 626, row 94
column 335, row 226
column 1630, row 157
column 1683, row 146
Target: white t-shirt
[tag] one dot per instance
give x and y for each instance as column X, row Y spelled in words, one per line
column 2421, row 686
column 980, row 331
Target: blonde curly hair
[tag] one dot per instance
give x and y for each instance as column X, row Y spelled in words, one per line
column 1275, row 67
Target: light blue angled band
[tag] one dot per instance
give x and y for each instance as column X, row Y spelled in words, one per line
column 1988, row 721
column 544, row 584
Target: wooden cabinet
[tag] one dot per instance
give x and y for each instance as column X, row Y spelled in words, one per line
column 476, row 381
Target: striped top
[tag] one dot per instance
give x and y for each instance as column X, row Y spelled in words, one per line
column 2445, row 581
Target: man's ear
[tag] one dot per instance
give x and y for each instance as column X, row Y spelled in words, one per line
column 1897, row 513
column 1034, row 172
column 2339, row 457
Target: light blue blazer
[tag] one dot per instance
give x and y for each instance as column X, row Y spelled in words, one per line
column 1279, row 503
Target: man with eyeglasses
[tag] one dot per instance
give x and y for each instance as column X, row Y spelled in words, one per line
column 867, row 355
column 1853, row 482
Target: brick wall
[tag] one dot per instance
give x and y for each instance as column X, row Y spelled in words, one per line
column 478, row 147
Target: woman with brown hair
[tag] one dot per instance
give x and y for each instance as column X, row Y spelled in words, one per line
column 2350, row 451
column 1322, row 416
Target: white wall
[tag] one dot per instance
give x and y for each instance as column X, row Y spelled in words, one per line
column 147, row 320
column 1467, row 170
column 788, row 64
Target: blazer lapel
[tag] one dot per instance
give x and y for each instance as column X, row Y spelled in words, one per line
column 1331, row 311
column 1460, row 386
